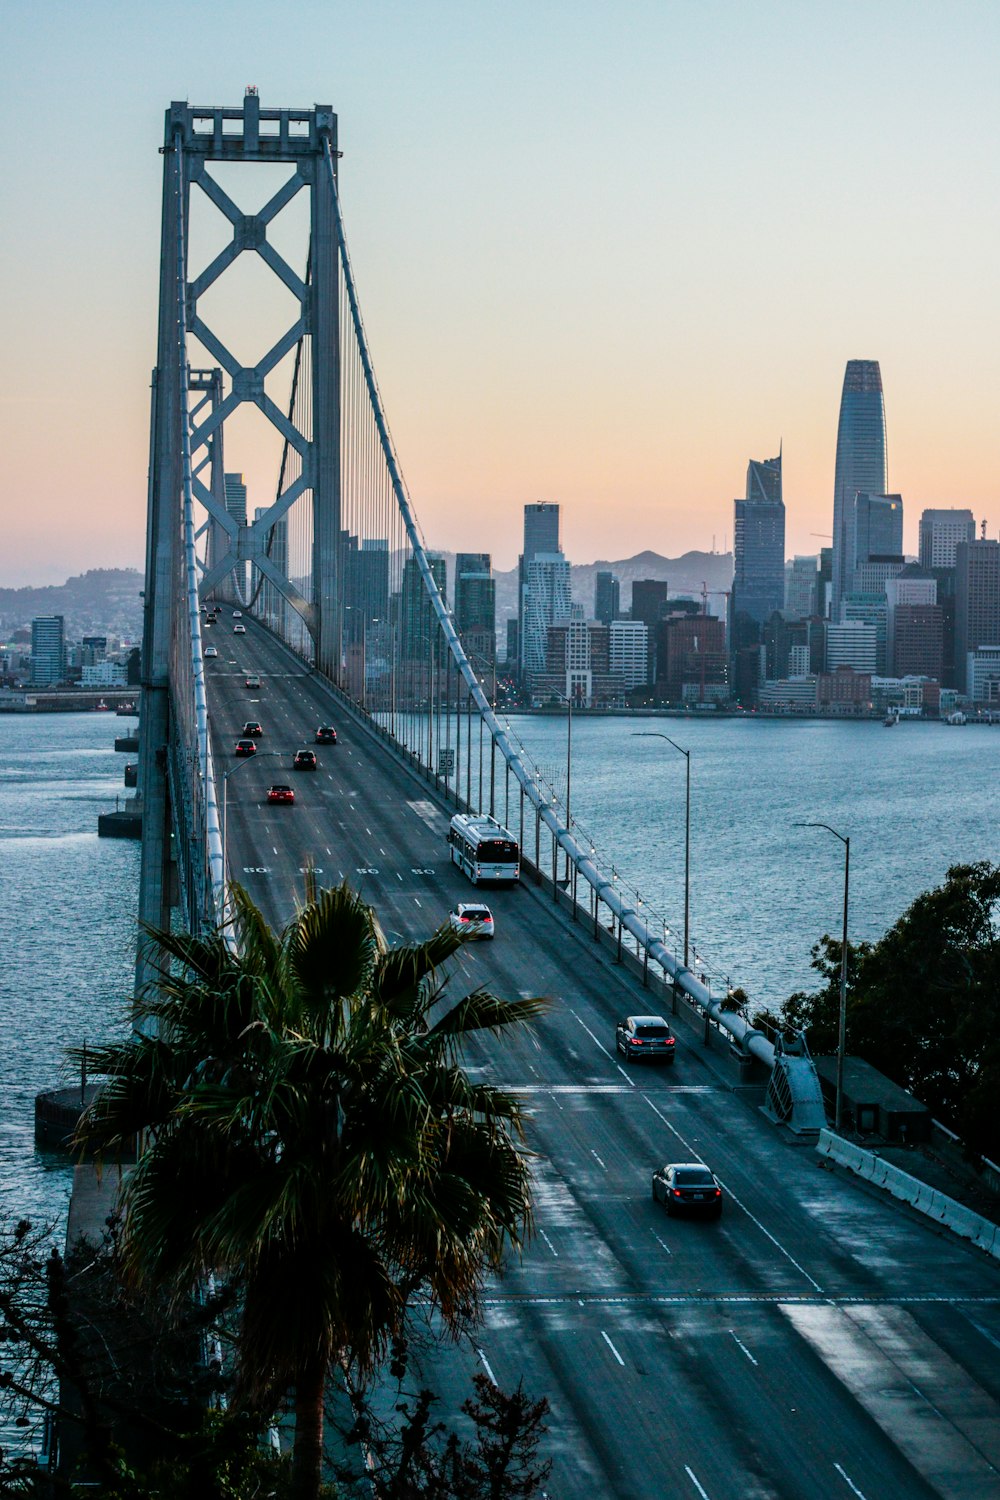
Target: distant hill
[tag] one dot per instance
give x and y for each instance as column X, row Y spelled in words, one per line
column 105, row 599
column 685, row 575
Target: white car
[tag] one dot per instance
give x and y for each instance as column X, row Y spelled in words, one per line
column 239, row 630
column 473, row 919
column 237, row 614
column 210, row 651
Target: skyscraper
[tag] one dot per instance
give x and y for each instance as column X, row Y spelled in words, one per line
column 475, row 607
column 862, row 465
column 940, row 533
column 874, row 530
column 272, row 606
column 236, row 505
column 758, row 551
column 544, row 592
column 977, row 604
column 48, row 649
column 607, row 598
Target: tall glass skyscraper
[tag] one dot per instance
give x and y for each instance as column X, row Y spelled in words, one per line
column 862, row 465
column 758, row 552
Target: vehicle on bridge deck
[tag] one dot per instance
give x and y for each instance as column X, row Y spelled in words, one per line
column 246, row 747
column 239, row 630
column 645, row 1039
column 305, row 760
column 483, row 848
column 252, row 682
column 326, row 735
column 280, row 794
column 237, row 614
column 210, row 651
column 252, row 728
column 688, row 1187
column 472, row 921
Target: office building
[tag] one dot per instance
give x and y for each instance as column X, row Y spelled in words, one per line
column 236, row 505
column 845, row 690
column 871, row 577
column 802, row 588
column 917, row 640
column 691, row 659
column 862, row 465
column 824, row 584
column 867, row 609
column 607, row 598
column 366, row 584
column 982, row 676
column 512, row 652
column 418, row 626
column 629, row 652
column 940, row 533
column 48, row 649
column 544, row 591
column 875, row 529
column 271, row 605
column 912, row 586
column 855, row 643
column 577, row 664
column 758, row 551
column 977, row 603
column 475, row 608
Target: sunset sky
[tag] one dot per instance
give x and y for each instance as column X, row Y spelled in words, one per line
column 606, row 254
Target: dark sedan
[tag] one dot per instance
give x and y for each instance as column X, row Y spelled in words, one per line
column 246, row 747
column 645, row 1038
column 688, row 1187
column 326, row 735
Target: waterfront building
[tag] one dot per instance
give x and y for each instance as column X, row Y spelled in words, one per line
column 103, row 674
column 846, row 689
column 940, row 533
column 982, row 675
column 629, row 652
column 977, row 603
column 577, row 665
column 802, row 588
column 691, row 659
column 797, row 692
column 48, row 650
column 607, row 597
column 476, row 608
column 862, row 464
column 758, row 551
column 93, row 650
column 913, row 585
column 875, row 530
column 853, row 644
column 544, row 591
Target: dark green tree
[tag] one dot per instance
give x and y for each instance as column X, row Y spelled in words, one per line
column 310, row 1129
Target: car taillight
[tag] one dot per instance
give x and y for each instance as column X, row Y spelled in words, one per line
column 636, row 1041
column 676, row 1192
column 718, row 1192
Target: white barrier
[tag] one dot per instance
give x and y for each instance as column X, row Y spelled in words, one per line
column 926, row 1200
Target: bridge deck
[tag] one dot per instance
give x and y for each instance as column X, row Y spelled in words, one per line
column 816, row 1342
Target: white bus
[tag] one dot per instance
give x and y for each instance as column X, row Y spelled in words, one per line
column 483, row 848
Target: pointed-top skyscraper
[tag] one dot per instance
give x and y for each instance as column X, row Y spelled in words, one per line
column 862, row 465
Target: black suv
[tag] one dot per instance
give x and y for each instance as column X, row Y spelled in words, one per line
column 645, row 1038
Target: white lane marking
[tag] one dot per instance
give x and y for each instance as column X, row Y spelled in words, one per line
column 398, row 876
column 486, row 1366
column 419, row 902
column 593, row 1038
column 696, row 1482
column 741, row 1345
column 849, row 1481
column 628, row 1080
column 611, row 1346
column 328, row 849
column 380, row 849
column 695, row 1156
column 598, row 1159
column 552, row 1247
column 273, row 847
column 369, row 832
column 989, row 1337
column 661, row 1244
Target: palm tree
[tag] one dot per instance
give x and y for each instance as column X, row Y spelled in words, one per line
column 309, row 1126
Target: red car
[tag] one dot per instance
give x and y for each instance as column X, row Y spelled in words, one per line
column 246, row 747
column 280, row 794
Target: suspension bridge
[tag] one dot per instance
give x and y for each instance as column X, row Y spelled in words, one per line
column 346, row 619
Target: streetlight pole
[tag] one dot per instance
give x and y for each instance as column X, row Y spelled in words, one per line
column 656, row 735
column 842, row 1019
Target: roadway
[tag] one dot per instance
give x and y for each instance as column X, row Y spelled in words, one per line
column 818, row 1341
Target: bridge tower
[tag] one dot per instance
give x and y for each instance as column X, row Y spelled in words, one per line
column 186, row 447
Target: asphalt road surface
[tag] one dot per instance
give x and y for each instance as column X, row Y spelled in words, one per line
column 818, row 1341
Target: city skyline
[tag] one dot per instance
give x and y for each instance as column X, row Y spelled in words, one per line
column 611, row 366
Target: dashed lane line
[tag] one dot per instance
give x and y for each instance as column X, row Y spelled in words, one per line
column 593, row 1038
column 740, row 1345
column 696, row 1482
column 486, row 1366
column 611, row 1346
column 849, row 1481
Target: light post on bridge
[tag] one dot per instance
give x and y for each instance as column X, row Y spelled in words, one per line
column 842, row 1018
column 656, row 735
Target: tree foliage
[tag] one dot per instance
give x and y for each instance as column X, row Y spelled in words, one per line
column 310, row 1127
column 923, row 1003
